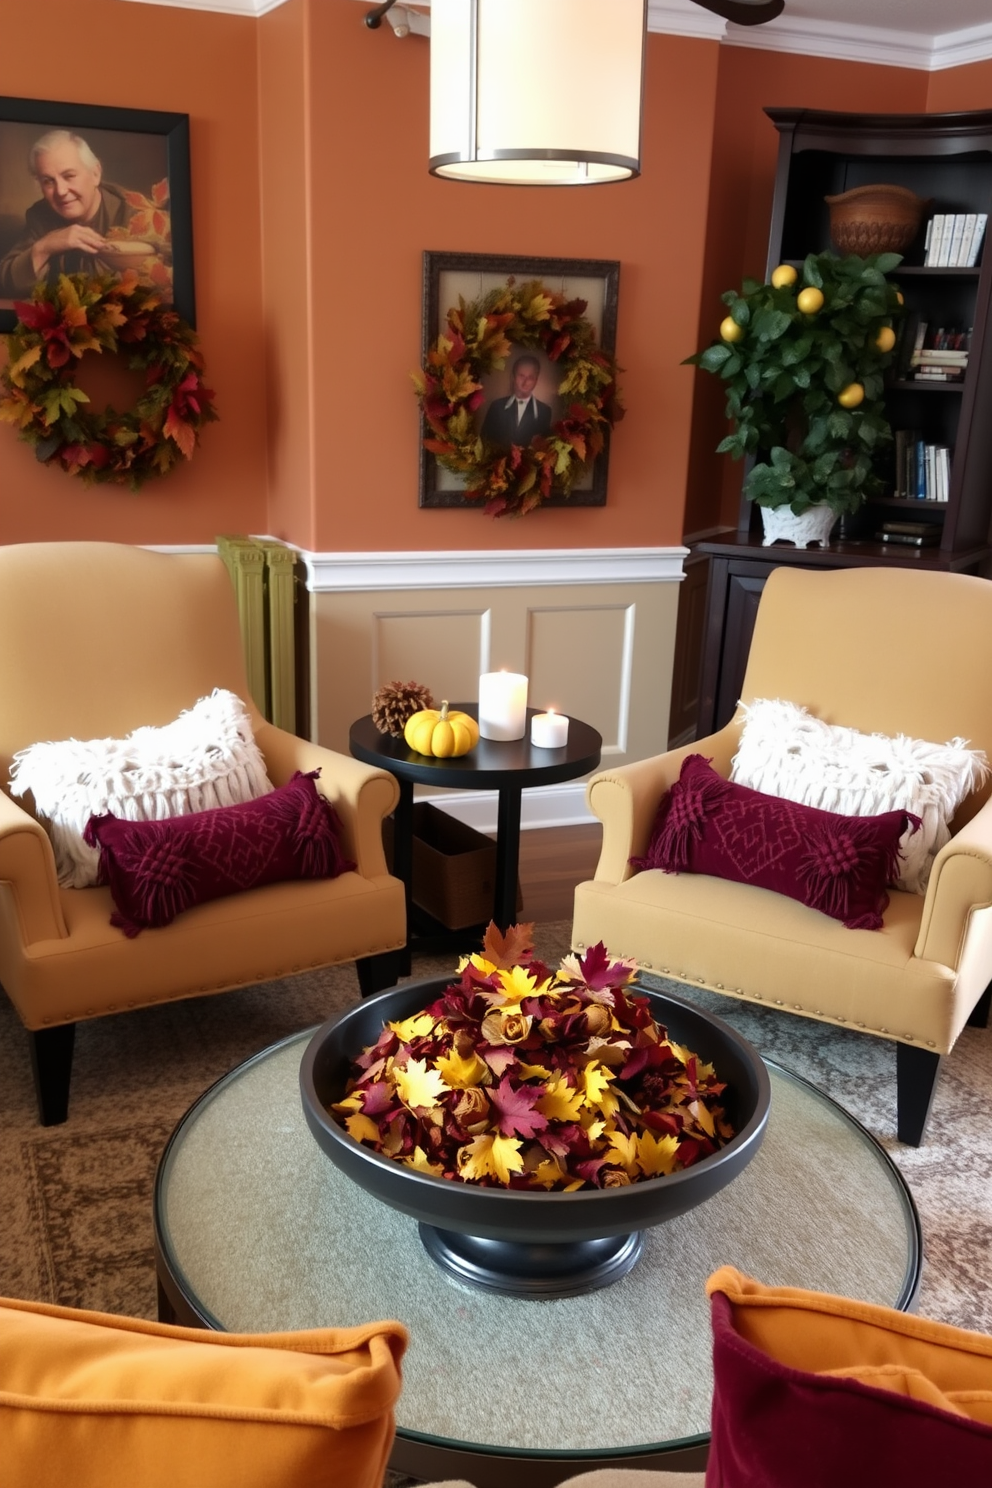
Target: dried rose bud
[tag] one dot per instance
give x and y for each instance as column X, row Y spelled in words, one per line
column 548, row 1029
column 597, row 1018
column 492, row 1028
column 472, row 1110
column 615, row 1178
column 516, row 1027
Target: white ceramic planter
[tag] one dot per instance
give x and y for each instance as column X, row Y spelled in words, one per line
column 781, row 523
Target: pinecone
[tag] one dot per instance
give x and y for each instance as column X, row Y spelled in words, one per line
column 395, row 702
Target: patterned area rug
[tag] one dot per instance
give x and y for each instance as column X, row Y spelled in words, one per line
column 75, row 1203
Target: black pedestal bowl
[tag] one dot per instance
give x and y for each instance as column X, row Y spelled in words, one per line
column 519, row 1242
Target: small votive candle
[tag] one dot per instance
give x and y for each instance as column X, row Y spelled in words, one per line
column 502, row 705
column 549, row 730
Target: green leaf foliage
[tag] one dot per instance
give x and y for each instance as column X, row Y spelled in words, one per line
column 783, row 379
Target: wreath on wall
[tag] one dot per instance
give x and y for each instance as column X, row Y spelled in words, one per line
column 112, row 313
column 479, row 338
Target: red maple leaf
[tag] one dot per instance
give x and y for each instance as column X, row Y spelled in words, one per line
column 515, row 1109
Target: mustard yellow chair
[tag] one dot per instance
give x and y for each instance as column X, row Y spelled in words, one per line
column 96, row 640
column 92, row 1399
column 882, row 650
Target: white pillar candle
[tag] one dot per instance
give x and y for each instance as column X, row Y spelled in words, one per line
column 502, row 705
column 549, row 730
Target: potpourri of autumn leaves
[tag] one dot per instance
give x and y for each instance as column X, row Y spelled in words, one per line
column 106, row 313
column 479, row 338
column 525, row 1078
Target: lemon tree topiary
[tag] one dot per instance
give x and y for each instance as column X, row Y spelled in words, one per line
column 804, row 359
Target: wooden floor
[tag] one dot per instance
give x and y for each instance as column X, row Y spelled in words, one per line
column 552, row 861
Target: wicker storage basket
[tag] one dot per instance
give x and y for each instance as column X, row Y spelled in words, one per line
column 875, row 219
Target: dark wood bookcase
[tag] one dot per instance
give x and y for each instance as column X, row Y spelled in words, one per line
column 946, row 158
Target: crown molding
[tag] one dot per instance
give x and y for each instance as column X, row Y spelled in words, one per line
column 958, row 48
column 682, row 18
column 840, row 42
column 852, row 43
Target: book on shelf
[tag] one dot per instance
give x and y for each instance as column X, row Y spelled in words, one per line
column 935, row 237
column 922, row 469
column 953, row 239
column 940, row 354
column 967, row 235
column 957, row 234
column 929, row 539
column 974, row 247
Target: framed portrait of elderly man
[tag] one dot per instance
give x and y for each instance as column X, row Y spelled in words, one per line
column 94, row 190
column 521, row 402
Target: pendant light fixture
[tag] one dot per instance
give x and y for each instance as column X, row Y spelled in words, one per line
column 537, row 92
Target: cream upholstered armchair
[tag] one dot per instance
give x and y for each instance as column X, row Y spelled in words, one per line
column 97, row 639
column 882, row 650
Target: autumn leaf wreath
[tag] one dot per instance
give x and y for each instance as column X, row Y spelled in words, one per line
column 478, row 338
column 532, row 1079
column 104, row 313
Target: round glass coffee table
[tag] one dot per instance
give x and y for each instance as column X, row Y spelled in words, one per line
column 256, row 1231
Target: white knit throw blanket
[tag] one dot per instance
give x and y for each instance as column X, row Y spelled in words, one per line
column 207, row 757
column 787, row 752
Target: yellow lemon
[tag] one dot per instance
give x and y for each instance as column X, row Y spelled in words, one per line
column 810, row 300
column 899, row 297
column 886, row 339
column 730, row 330
column 783, row 276
column 851, row 396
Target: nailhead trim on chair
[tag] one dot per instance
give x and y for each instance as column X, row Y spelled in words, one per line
column 906, row 1038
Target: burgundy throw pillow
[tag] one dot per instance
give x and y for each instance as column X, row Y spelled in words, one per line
column 837, row 864
column 778, row 1425
column 157, row 869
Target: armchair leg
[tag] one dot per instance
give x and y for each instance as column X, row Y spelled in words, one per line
column 51, row 1065
column 980, row 1012
column 916, row 1080
column 376, row 973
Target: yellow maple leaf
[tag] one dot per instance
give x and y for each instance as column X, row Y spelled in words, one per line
column 596, row 1088
column 418, row 1026
column 703, row 1117
column 548, row 1173
column 560, row 1101
column 517, row 983
column 506, row 1157
column 682, row 1054
column 423, row 1164
column 16, row 369
column 362, row 1128
column 624, row 1149
column 417, row 1086
column 459, row 1073
column 533, row 1071
column 351, row 1102
column 479, row 962
column 656, row 1154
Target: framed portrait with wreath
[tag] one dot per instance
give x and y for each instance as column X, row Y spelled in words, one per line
column 86, row 189
column 518, row 385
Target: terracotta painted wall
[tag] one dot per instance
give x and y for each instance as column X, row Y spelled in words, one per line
column 373, row 209
column 745, row 152
column 184, row 61
column 957, row 88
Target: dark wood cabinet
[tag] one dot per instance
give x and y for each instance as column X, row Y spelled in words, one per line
column 946, row 158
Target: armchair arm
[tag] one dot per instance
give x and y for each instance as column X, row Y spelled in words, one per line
column 960, row 882
column 361, row 794
column 27, row 864
column 626, row 799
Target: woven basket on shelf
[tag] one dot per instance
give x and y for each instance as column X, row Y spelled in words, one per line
column 875, row 219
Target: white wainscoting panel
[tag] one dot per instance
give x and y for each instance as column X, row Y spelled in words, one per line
column 599, row 647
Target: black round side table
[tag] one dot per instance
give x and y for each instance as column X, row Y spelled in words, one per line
column 506, row 767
